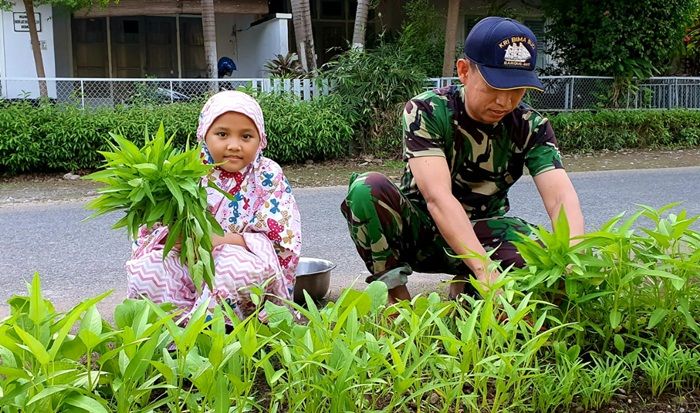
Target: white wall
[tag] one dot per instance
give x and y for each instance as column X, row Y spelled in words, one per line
column 251, row 47
column 18, row 58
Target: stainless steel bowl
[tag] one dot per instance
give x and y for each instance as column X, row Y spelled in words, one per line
column 314, row 277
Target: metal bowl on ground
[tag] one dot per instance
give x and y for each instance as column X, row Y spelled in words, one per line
column 314, row 277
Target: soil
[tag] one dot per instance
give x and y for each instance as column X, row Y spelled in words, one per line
column 38, row 188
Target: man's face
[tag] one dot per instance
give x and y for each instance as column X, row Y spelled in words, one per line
column 483, row 103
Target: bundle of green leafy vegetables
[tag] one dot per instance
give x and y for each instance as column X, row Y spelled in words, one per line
column 160, row 183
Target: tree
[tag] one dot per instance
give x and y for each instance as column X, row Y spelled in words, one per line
column 209, row 28
column 301, row 16
column 618, row 38
column 448, row 62
column 422, row 36
column 34, row 36
column 358, row 34
column 36, row 48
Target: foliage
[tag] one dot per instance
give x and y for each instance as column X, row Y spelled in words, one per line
column 63, row 137
column 422, row 37
column 299, row 130
column 621, row 286
column 616, row 37
column 372, row 84
column 670, row 365
column 160, row 184
column 510, row 350
column 613, row 130
column 285, row 67
column 689, row 61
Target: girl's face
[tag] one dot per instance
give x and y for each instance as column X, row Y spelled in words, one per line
column 233, row 139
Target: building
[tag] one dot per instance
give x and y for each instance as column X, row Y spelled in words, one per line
column 136, row 39
column 164, row 39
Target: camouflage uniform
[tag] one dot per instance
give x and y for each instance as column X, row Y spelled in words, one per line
column 391, row 226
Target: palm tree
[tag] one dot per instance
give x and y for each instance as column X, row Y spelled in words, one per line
column 209, row 28
column 358, row 34
column 448, row 63
column 301, row 16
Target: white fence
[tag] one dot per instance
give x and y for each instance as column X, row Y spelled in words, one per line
column 562, row 93
column 570, row 93
column 95, row 92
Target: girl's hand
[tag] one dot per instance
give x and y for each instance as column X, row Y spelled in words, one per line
column 228, row 238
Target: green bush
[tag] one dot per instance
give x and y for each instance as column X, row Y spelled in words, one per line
column 62, row 137
column 372, row 84
column 614, row 130
column 422, row 36
column 297, row 131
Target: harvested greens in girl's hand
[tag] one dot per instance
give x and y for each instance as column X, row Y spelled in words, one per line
column 159, row 185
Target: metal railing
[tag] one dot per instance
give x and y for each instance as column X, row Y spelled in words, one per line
column 571, row 93
column 562, row 93
column 98, row 92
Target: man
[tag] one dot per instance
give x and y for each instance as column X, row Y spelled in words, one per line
column 465, row 147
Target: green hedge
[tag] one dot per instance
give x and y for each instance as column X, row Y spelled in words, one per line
column 61, row 137
column 614, row 130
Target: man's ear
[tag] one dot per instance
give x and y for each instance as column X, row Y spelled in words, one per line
column 463, row 69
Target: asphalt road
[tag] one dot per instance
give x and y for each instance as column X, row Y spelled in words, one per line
column 78, row 259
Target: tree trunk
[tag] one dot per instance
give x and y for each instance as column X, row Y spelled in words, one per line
column 209, row 28
column 36, row 48
column 301, row 16
column 358, row 34
column 448, row 63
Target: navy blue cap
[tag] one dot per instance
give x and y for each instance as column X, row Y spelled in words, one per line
column 505, row 51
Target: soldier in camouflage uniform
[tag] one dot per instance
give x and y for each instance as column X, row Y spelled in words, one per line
column 465, row 146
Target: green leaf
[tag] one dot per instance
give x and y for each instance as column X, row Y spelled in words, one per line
column 86, row 403
column 175, row 191
column 35, row 347
column 90, row 327
column 378, row 294
column 46, row 393
column 37, row 308
column 656, row 317
column 619, row 343
column 615, row 318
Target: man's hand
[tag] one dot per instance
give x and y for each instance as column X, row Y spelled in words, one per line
column 487, row 279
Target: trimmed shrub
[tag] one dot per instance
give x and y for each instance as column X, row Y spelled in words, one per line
column 62, row 137
column 297, row 131
column 614, row 130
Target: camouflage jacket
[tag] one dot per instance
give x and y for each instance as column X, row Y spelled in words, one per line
column 484, row 160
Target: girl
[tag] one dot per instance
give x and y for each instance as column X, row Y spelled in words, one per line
column 262, row 231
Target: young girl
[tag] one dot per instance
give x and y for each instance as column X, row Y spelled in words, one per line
column 262, row 231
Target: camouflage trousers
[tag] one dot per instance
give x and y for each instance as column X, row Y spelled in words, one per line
column 394, row 237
